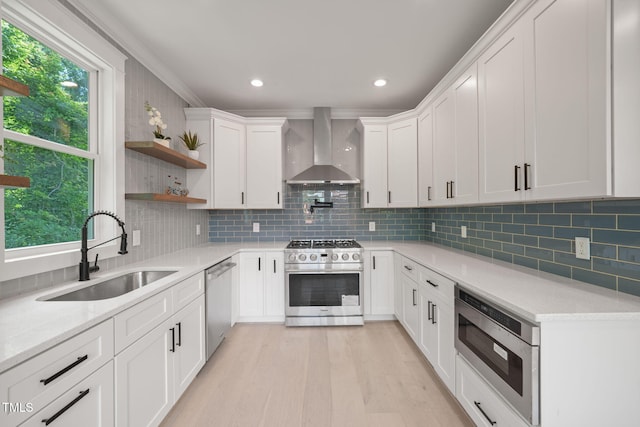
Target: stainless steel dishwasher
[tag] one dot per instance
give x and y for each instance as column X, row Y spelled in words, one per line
column 218, row 307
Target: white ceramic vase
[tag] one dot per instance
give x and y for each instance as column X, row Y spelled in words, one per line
column 194, row 154
column 164, row 142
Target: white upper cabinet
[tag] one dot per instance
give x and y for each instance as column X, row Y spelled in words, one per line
column 425, row 157
column 501, row 118
column 264, row 167
column 374, row 165
column 244, row 158
column 228, row 164
column 566, row 98
column 443, row 147
column 402, row 150
column 389, row 162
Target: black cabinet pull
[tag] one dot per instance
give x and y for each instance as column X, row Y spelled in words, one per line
column 242, row 197
column 433, row 314
column 65, row 370
column 389, row 196
column 179, row 325
column 448, row 192
column 414, row 297
column 367, row 197
column 259, row 263
column 173, row 340
column 483, row 413
column 408, row 268
column 51, row 419
column 374, row 262
column 278, row 198
column 452, row 196
column 527, row 166
column 274, row 266
column 516, row 171
column 428, row 193
column 435, row 285
column 428, row 310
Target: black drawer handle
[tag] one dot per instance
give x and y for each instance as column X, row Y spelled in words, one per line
column 51, row 419
column 179, row 343
column 414, row 297
column 483, row 413
column 429, row 310
column 65, row 370
column 408, row 268
column 173, row 340
column 435, row 285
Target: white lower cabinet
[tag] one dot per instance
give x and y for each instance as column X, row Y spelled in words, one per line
column 410, row 307
column 482, row 403
column 379, row 278
column 261, row 286
column 88, row 403
column 190, row 354
column 398, row 308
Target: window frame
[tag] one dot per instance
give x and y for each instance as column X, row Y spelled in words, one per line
column 57, row 27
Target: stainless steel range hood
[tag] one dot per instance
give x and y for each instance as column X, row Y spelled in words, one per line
column 322, row 171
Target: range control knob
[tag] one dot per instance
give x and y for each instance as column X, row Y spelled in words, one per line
column 345, row 256
column 334, row 257
column 356, row 257
column 302, row 257
column 313, row 257
column 292, row 257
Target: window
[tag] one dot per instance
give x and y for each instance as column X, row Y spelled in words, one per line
column 64, row 136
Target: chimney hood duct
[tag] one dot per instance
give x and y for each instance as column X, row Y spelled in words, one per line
column 322, row 171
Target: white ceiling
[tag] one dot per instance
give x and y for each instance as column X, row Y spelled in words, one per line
column 308, row 52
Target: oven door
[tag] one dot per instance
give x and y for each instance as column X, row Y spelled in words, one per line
column 509, row 364
column 313, row 293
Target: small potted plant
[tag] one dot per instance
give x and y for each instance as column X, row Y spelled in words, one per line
column 155, row 119
column 192, row 143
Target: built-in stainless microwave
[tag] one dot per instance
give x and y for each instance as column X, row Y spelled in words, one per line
column 503, row 348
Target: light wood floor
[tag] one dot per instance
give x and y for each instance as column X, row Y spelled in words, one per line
column 270, row 375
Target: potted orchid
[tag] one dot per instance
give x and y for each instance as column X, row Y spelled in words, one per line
column 155, row 119
column 192, row 142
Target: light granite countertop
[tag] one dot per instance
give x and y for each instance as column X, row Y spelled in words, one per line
column 28, row 325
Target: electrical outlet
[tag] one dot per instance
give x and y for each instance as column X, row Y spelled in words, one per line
column 256, row 227
column 583, row 248
column 136, row 238
column 433, row 227
column 197, row 229
column 372, row 226
column 463, row 231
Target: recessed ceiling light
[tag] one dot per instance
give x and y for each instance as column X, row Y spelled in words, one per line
column 380, row 83
column 256, row 83
column 68, row 84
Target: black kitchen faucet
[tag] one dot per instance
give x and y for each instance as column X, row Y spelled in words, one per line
column 85, row 269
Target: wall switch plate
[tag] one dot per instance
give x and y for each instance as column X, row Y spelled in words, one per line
column 372, row 226
column 197, row 229
column 136, row 238
column 583, row 248
column 433, row 227
column 463, row 231
column 256, row 227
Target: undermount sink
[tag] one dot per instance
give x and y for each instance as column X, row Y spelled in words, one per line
column 114, row 287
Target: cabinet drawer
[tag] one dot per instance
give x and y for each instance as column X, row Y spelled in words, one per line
column 409, row 268
column 41, row 379
column 187, row 290
column 440, row 284
column 481, row 402
column 89, row 403
column 134, row 323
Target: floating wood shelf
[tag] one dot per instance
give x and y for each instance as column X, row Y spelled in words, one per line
column 10, row 87
column 14, row 181
column 161, row 152
column 158, row 197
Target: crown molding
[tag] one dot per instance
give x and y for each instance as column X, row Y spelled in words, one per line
column 307, row 113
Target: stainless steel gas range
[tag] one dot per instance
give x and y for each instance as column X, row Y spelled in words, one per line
column 324, row 283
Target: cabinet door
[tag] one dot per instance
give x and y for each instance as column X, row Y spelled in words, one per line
column 428, row 342
column 189, row 356
column 229, row 165
column 442, row 318
column 425, row 157
column 567, row 85
column 443, row 147
column 402, row 169
column 264, row 167
column 501, row 114
column 200, row 181
column 397, row 288
column 251, row 284
column 464, row 187
column 411, row 309
column 144, row 379
column 374, row 166
column 274, row 284
column 88, row 403
column 382, row 289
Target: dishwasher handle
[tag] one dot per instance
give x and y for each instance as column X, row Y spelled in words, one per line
column 219, row 269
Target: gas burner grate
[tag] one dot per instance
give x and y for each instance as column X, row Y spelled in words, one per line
column 348, row 243
column 299, row 244
column 324, row 244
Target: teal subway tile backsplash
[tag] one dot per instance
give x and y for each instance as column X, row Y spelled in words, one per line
column 541, row 236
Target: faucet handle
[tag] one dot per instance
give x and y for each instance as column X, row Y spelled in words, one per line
column 95, row 267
